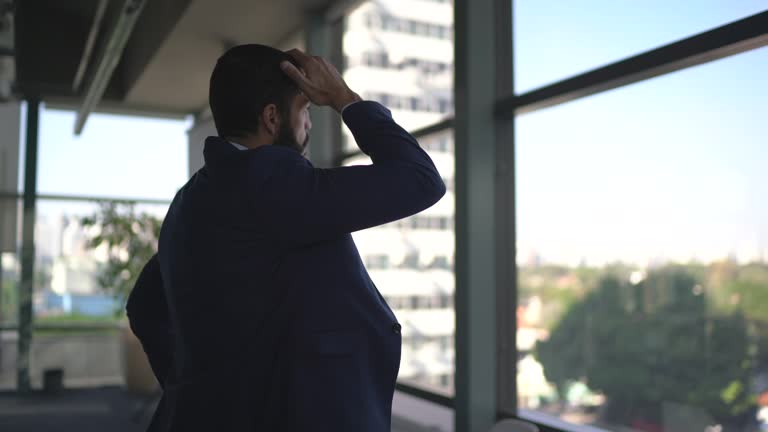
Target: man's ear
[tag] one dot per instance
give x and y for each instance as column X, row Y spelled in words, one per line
column 270, row 119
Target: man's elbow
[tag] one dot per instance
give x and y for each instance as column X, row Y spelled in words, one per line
column 440, row 189
column 140, row 320
column 434, row 190
column 137, row 324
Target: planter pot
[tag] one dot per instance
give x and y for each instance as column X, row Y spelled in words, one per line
column 136, row 369
column 53, row 381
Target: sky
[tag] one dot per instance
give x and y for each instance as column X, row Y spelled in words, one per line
column 116, row 156
column 669, row 168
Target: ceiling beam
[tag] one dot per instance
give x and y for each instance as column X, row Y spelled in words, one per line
column 115, row 106
column 158, row 20
column 108, row 59
column 34, row 55
column 85, row 59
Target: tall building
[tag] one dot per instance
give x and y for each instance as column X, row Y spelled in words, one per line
column 400, row 53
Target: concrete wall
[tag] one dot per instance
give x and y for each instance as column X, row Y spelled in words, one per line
column 10, row 125
column 196, row 138
column 88, row 359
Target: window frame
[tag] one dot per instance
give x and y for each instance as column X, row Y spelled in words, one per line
column 720, row 42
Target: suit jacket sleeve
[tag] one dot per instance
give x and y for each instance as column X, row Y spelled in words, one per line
column 305, row 204
column 147, row 312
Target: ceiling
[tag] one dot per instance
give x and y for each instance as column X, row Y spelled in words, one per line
column 168, row 57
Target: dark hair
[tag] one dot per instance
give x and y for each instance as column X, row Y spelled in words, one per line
column 246, row 79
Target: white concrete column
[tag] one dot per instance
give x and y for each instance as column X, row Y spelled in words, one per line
column 196, row 135
column 477, row 215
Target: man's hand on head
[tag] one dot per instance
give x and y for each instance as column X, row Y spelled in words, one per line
column 320, row 81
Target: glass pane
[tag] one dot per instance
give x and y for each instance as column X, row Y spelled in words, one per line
column 10, row 275
column 400, row 53
column 8, row 317
column 115, row 157
column 411, row 262
column 78, row 306
column 10, row 267
column 643, row 253
column 11, row 271
column 555, row 40
column 78, row 278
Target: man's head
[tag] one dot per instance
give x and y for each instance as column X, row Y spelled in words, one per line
column 250, row 96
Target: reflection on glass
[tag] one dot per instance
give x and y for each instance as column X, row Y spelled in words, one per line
column 411, row 263
column 554, row 40
column 400, row 53
column 643, row 254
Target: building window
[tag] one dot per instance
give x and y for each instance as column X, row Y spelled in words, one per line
column 414, row 103
column 377, row 261
column 421, row 78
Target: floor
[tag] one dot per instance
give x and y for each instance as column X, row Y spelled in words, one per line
column 79, row 410
column 113, row 409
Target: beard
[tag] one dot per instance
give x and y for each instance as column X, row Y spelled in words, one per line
column 287, row 138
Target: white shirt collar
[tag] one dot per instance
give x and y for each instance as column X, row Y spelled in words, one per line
column 238, row 146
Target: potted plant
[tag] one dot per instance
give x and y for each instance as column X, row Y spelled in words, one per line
column 129, row 240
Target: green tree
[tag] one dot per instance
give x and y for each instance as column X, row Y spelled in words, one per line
column 130, row 239
column 646, row 344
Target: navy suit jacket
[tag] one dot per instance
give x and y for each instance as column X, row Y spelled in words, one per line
column 258, row 314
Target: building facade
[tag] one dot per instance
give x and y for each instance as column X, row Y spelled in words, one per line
column 400, row 53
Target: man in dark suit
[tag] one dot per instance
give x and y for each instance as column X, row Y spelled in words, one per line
column 257, row 314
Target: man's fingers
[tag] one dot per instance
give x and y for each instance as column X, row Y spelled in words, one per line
column 296, row 76
column 299, row 56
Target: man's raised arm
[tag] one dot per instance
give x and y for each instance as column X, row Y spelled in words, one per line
column 308, row 204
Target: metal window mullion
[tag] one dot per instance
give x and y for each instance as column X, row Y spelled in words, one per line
column 58, row 197
column 727, row 40
column 428, row 395
column 28, row 248
column 434, row 128
column 446, row 123
column 86, row 198
column 324, row 38
column 505, row 225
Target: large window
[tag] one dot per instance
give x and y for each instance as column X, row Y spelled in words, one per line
column 557, row 39
column 77, row 298
column 79, row 288
column 643, row 251
column 116, row 156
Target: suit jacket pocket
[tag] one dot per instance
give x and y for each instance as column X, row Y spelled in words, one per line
column 330, row 383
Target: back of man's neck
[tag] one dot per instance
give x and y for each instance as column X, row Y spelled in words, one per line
column 247, row 142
